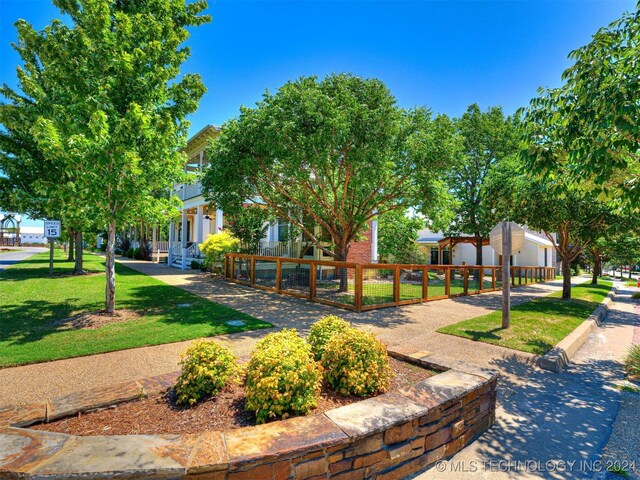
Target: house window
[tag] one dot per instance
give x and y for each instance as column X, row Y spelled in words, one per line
column 283, row 230
column 434, row 256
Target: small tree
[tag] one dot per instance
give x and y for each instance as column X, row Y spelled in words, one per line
column 327, row 156
column 249, row 225
column 215, row 247
column 117, row 113
column 397, row 236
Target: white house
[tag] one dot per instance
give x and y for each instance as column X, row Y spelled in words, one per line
column 32, row 235
column 538, row 251
column 199, row 219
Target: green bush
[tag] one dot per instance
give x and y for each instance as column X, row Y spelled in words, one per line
column 356, row 363
column 129, row 253
column 195, row 265
column 635, row 295
column 322, row 331
column 631, row 283
column 216, row 246
column 206, row 368
column 282, row 377
column 632, row 361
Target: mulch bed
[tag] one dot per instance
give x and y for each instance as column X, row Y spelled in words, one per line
column 94, row 320
column 160, row 415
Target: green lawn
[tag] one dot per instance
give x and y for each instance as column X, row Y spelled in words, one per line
column 32, row 303
column 538, row 325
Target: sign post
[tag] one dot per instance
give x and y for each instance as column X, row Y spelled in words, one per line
column 505, row 238
column 51, row 231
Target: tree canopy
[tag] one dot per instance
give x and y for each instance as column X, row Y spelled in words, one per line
column 598, row 109
column 484, row 139
column 328, row 156
column 112, row 105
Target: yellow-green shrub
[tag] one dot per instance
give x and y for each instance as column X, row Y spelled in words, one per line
column 282, row 377
column 206, row 368
column 322, row 331
column 215, row 247
column 356, row 363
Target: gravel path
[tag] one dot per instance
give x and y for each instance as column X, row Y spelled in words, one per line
column 410, row 328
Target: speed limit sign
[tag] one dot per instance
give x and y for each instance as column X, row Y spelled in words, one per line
column 52, row 228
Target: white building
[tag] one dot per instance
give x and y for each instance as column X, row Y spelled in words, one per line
column 537, row 251
column 32, row 235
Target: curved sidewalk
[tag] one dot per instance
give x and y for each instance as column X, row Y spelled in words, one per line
column 408, row 328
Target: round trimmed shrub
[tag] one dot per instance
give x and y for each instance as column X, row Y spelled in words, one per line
column 282, row 377
column 322, row 331
column 206, row 368
column 356, row 363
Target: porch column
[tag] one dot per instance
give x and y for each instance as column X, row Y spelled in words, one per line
column 219, row 220
column 172, row 228
column 199, row 238
column 374, row 241
column 183, row 239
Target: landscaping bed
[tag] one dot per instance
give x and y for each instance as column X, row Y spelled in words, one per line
column 226, row 411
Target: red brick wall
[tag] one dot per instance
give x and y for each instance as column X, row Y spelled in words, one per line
column 360, row 252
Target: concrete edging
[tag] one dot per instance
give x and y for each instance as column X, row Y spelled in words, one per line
column 388, row 436
column 559, row 356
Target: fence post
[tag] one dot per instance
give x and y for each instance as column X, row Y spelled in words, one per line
column 447, row 281
column 493, row 278
column 358, row 288
column 312, row 280
column 252, row 277
column 232, row 268
column 465, row 281
column 396, row 284
column 278, row 275
column 425, row 283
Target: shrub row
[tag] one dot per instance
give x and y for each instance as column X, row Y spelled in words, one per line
column 285, row 371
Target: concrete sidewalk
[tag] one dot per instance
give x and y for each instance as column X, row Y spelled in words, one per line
column 405, row 328
column 554, row 425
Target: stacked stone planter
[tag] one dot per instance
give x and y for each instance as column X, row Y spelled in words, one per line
column 385, row 437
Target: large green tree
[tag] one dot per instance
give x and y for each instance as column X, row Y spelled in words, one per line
column 485, row 138
column 116, row 115
column 598, row 107
column 328, row 156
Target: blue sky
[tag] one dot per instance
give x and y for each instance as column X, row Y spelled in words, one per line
column 442, row 54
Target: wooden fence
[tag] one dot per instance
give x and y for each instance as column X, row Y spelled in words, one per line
column 361, row 287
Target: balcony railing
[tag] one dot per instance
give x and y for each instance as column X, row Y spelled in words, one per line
column 185, row 191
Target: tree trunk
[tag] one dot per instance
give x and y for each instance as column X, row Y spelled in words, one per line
column 110, row 302
column 596, row 267
column 630, row 267
column 476, row 273
column 344, row 279
column 566, row 278
column 72, row 239
column 78, row 267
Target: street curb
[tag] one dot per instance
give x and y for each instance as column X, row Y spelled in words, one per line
column 559, row 356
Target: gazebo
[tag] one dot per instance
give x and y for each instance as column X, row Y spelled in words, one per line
column 451, row 242
column 10, row 229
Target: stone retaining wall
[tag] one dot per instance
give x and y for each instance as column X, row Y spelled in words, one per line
column 385, row 437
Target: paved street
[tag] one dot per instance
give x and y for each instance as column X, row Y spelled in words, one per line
column 9, row 258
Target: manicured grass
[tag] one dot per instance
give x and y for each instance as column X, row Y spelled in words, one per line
column 536, row 326
column 32, row 303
